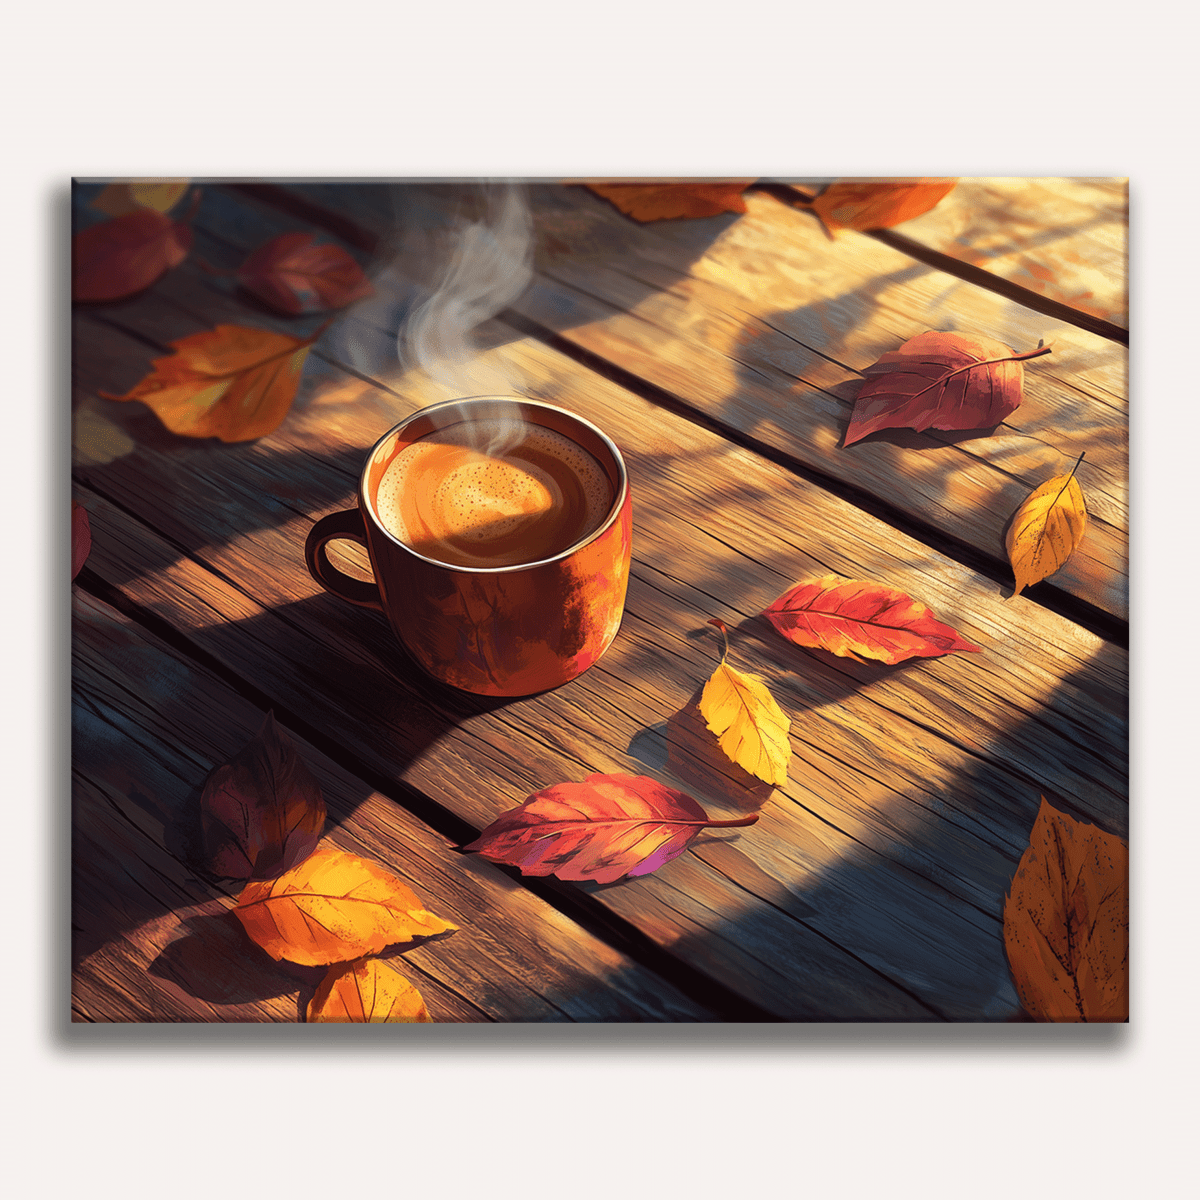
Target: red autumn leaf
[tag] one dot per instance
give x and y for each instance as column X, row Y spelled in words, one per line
column 81, row 537
column 858, row 619
column 262, row 812
column 294, row 276
column 663, row 201
column 120, row 257
column 846, row 205
column 940, row 380
column 601, row 829
column 1066, row 922
column 232, row 382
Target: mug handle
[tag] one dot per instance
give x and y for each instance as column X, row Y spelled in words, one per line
column 349, row 525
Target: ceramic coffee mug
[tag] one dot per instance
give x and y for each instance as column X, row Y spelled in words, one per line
column 497, row 630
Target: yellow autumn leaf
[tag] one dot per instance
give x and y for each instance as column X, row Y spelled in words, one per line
column 366, row 992
column 1046, row 529
column 333, row 907
column 117, row 199
column 751, row 728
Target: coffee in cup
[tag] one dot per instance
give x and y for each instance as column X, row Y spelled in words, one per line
column 491, row 494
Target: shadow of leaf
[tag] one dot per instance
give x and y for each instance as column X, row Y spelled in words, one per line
column 216, row 961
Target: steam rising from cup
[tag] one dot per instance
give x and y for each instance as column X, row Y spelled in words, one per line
column 492, row 264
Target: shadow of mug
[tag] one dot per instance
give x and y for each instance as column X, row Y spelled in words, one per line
column 510, row 630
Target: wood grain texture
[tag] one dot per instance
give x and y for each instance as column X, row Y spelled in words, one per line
column 872, row 885
column 1066, row 239
column 154, row 938
column 902, row 865
column 764, row 325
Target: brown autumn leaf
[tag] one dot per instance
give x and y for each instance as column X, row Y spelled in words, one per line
column 117, row 199
column 1046, row 529
column 262, row 812
column 750, row 726
column 877, row 205
column 232, row 382
column 120, row 257
column 81, row 538
column 602, row 829
column 665, row 201
column 1066, row 922
column 293, row 275
column 860, row 619
column 333, row 907
column 940, row 380
column 366, row 991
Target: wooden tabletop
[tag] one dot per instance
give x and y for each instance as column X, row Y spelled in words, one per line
column 722, row 354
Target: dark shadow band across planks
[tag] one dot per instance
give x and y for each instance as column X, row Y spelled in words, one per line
column 607, row 926
column 1089, row 616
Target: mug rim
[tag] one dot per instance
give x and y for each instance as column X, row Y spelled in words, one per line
column 614, row 511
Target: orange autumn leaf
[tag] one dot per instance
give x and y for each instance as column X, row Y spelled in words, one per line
column 232, row 382
column 664, row 201
column 877, row 205
column 333, row 907
column 366, row 992
column 1066, row 922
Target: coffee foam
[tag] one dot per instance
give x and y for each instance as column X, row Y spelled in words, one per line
column 480, row 509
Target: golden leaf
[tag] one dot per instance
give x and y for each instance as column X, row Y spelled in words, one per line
column 1046, row 529
column 1066, row 922
column 231, row 382
column 117, row 199
column 366, row 992
column 752, row 729
column 333, row 907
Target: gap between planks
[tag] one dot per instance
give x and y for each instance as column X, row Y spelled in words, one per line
column 608, row 927
column 1089, row 616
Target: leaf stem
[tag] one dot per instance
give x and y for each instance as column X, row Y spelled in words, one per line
column 747, row 820
column 724, row 633
column 1067, row 481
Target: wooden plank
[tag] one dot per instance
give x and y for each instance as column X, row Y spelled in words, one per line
column 707, row 310
column 1066, row 239
column 154, row 942
column 534, row 742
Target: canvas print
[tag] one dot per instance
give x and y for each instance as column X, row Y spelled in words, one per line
column 599, row 600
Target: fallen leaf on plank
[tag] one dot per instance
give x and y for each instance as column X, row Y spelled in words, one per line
column 602, row 829
column 262, row 812
column 1046, row 529
column 232, row 382
column 366, row 992
column 120, row 257
column 856, row 618
column 664, row 201
column 751, row 728
column 117, row 199
column 81, row 538
column 940, row 380
column 879, row 205
column 333, row 907
column 292, row 274
column 1066, row 922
